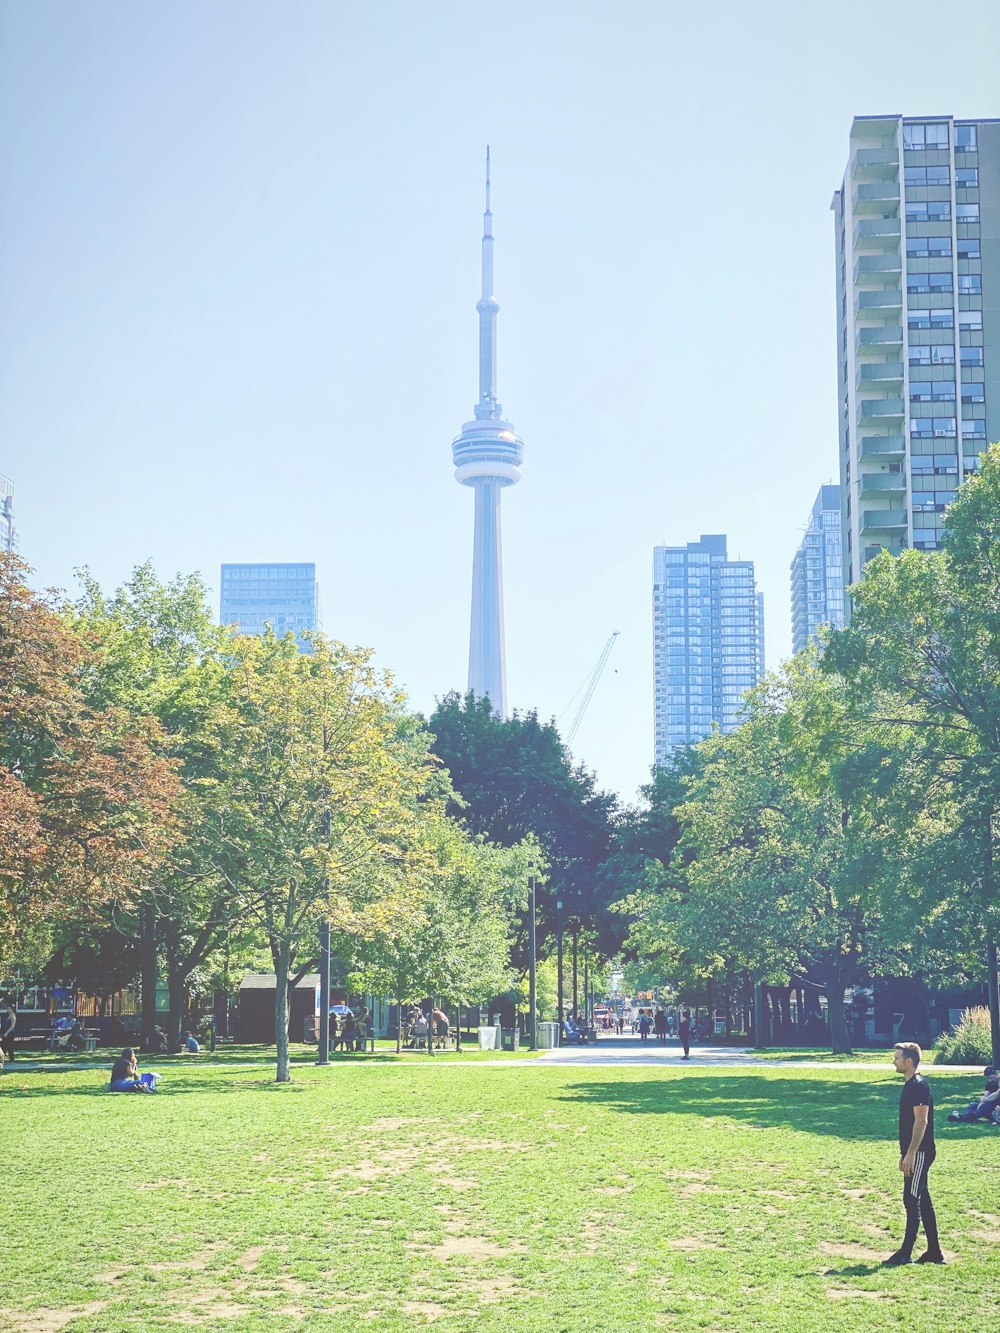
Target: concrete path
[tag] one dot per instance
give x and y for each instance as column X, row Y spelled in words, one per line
column 633, row 1051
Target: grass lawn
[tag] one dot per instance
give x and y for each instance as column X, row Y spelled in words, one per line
column 389, row 1195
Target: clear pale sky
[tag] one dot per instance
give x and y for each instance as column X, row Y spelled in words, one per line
column 238, row 272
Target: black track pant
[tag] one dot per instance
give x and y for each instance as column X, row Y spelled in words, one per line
column 917, row 1202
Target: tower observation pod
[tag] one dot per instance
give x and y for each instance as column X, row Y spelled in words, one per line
column 487, row 457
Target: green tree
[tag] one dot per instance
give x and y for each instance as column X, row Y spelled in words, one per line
column 515, row 780
column 156, row 651
column 923, row 650
column 328, row 793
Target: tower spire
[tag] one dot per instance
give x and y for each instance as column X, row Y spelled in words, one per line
column 488, row 408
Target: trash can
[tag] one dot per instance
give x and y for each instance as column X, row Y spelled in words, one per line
column 488, row 1039
column 548, row 1036
column 311, row 1032
column 508, row 1039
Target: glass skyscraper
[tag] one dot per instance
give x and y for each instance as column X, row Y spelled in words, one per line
column 8, row 533
column 818, row 572
column 918, row 324
column 707, row 640
column 286, row 597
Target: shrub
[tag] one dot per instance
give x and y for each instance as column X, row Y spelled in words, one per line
column 969, row 1042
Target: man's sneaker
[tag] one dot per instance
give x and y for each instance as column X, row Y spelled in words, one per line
column 929, row 1258
column 896, row 1260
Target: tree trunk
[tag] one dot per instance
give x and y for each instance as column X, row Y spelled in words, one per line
column 175, row 989
column 148, row 973
column 994, row 981
column 840, row 1032
column 281, row 968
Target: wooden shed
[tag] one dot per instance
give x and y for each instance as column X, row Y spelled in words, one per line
column 255, row 1019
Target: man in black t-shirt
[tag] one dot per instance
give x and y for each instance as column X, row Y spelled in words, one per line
column 916, row 1156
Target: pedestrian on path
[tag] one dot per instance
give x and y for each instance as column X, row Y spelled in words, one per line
column 660, row 1026
column 643, row 1026
column 684, row 1032
column 917, row 1153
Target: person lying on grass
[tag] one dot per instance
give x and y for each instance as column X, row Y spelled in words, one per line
column 125, row 1075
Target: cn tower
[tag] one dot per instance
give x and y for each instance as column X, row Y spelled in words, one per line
column 487, row 457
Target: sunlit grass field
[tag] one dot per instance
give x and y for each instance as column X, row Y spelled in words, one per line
column 466, row 1195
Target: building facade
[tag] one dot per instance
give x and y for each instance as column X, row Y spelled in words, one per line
column 8, row 533
column 284, row 596
column 487, row 456
column 918, row 324
column 708, row 621
column 817, row 572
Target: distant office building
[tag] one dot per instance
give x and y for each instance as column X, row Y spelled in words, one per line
column 918, row 324
column 708, row 622
column 818, row 572
column 286, row 597
column 8, row 533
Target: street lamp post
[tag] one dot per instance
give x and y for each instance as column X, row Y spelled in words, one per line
column 324, row 993
column 559, row 963
column 576, row 991
column 532, row 960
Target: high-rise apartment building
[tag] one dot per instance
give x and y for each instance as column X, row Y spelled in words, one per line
column 8, row 533
column 818, row 572
column 286, row 597
column 918, row 324
column 707, row 640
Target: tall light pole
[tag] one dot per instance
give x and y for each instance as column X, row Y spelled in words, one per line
column 532, row 962
column 559, row 962
column 576, row 994
column 324, row 993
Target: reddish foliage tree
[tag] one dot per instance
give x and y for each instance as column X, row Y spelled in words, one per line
column 87, row 800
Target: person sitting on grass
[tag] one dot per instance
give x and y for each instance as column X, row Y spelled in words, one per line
column 125, row 1074
column 985, row 1107
column 189, row 1043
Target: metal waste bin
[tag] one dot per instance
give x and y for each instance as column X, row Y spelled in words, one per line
column 489, row 1039
column 508, row 1039
column 311, row 1032
column 548, row 1036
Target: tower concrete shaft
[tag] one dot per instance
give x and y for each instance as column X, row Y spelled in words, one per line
column 487, row 456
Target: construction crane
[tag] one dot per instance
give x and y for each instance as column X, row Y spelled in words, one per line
column 588, row 687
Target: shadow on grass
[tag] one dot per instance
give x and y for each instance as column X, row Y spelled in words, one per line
column 854, row 1270
column 835, row 1107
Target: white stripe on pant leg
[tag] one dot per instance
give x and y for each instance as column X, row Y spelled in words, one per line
column 918, row 1171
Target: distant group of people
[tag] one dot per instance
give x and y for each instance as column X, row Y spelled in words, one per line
column 417, row 1024
column 349, row 1032
column 662, row 1027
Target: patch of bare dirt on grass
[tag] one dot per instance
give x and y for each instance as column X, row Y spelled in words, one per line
column 492, row 1290
column 112, row 1275
column 855, row 1194
column 390, row 1124
column 612, row 1190
column 856, row 1293
column 698, row 1187
column 848, row 1250
column 469, row 1247
column 991, row 1218
column 991, row 1235
column 251, row 1258
column 51, row 1321
column 430, row 1310
column 780, row 1194
column 673, row 1173
column 690, row 1243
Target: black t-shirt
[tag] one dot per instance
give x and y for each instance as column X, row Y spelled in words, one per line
column 122, row 1068
column 916, row 1092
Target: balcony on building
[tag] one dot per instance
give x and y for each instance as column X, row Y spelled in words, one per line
column 879, row 485
column 882, row 270
column 893, row 546
column 875, row 164
column 883, row 447
column 880, row 375
column 879, row 339
column 881, row 304
column 880, row 199
column 875, row 234
column 880, row 412
column 883, row 520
